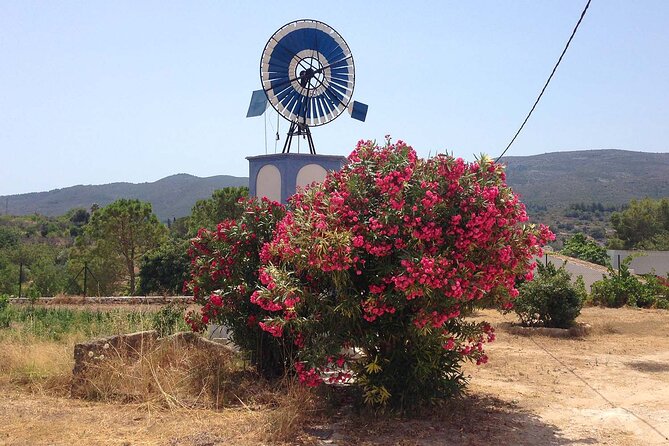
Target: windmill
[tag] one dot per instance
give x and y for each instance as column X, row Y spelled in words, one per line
column 307, row 75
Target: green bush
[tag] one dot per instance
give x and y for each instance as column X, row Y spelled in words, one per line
column 5, row 318
column 550, row 300
column 165, row 269
column 580, row 247
column 658, row 288
column 170, row 319
column 622, row 288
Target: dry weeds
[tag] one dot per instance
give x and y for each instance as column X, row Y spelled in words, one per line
column 39, row 365
column 523, row 396
column 202, row 397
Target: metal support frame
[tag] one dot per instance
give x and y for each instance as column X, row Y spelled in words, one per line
column 20, row 278
column 297, row 129
column 86, row 270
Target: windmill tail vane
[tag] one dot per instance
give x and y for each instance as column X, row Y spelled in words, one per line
column 307, row 74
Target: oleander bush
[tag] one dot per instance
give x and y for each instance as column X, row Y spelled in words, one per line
column 224, row 267
column 371, row 273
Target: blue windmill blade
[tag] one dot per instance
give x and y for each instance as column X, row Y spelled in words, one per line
column 358, row 110
column 258, row 104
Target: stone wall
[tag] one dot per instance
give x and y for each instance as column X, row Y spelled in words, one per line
column 131, row 347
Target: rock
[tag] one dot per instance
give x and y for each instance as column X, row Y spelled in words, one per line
column 125, row 346
column 131, row 347
column 577, row 331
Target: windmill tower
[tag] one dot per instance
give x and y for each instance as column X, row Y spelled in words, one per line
column 307, row 75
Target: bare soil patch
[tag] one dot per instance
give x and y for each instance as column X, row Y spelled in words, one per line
column 608, row 387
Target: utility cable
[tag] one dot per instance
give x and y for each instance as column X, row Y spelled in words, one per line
column 611, row 403
column 587, row 5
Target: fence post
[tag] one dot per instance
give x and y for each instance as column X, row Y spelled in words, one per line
column 85, row 277
column 546, row 254
column 20, row 277
column 618, row 265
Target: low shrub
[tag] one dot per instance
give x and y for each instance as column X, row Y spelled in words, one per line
column 550, row 299
column 170, row 319
column 621, row 288
column 5, row 318
column 659, row 289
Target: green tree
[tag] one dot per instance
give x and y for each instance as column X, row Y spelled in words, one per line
column 581, row 247
column 9, row 274
column 180, row 228
column 165, row 269
column 221, row 206
column 105, row 271
column 9, row 237
column 43, row 269
column 78, row 219
column 47, row 273
column 643, row 225
column 126, row 229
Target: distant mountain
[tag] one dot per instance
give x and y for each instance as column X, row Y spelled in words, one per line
column 552, row 180
column 610, row 177
column 172, row 196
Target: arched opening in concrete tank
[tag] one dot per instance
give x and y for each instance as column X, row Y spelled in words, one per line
column 309, row 174
column 268, row 182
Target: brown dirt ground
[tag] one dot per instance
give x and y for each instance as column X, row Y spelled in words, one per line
column 609, row 387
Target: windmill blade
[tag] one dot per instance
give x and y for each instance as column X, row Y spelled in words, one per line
column 258, row 104
column 358, row 110
column 307, row 75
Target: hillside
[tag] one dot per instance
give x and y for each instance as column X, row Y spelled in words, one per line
column 547, row 183
column 172, row 196
column 611, row 177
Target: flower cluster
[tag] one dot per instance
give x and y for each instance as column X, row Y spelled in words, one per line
column 224, row 268
column 391, row 251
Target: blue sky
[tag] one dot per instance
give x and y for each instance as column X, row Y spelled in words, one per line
column 99, row 92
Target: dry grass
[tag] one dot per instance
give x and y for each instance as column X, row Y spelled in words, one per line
column 172, row 382
column 171, row 375
column 41, row 365
column 174, row 394
column 522, row 396
column 175, row 377
column 295, row 407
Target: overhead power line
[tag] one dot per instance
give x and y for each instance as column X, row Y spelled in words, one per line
column 587, row 5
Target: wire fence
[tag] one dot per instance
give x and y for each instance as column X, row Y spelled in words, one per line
column 73, row 284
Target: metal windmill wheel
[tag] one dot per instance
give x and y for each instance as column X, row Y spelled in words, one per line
column 308, row 76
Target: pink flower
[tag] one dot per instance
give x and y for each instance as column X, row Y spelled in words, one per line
column 273, row 329
column 216, row 300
